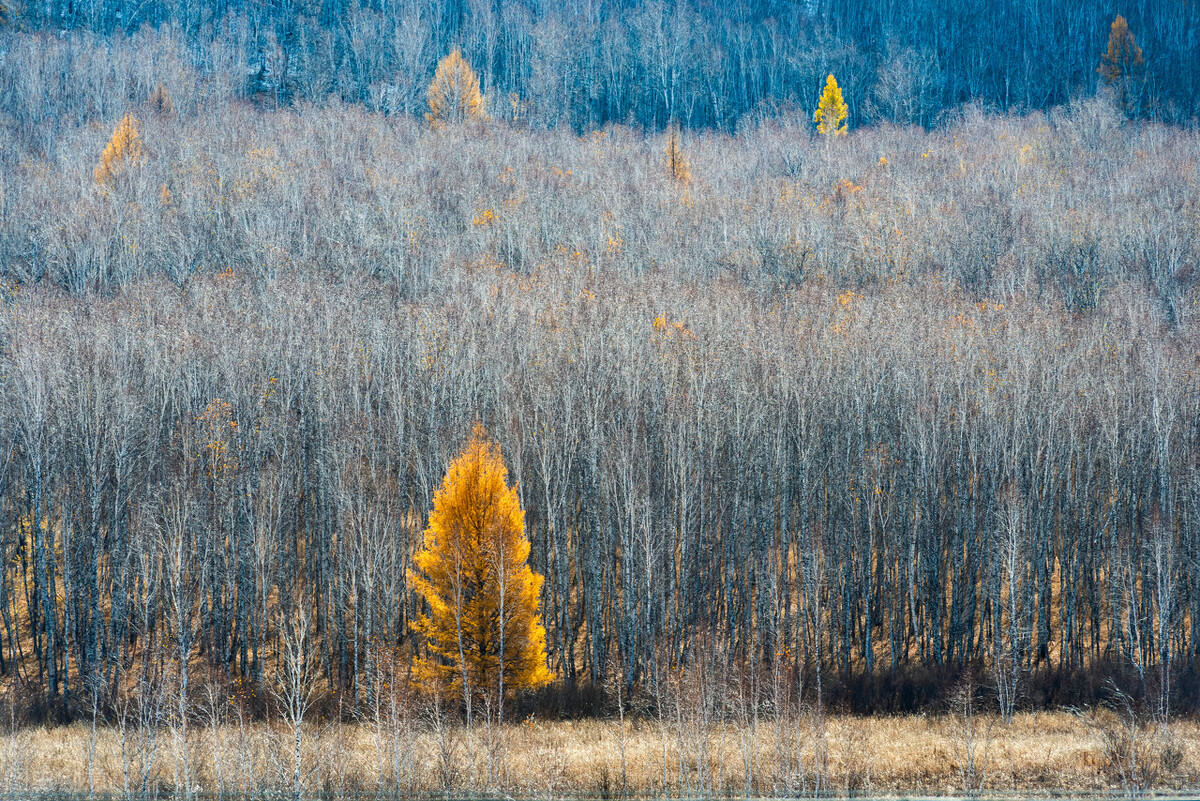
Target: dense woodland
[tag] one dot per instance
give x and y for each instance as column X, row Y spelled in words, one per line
column 582, row 64
column 864, row 410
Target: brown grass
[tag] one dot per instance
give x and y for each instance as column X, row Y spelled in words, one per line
column 1036, row 753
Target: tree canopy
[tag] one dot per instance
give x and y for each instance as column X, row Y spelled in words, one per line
column 124, row 146
column 1123, row 67
column 454, row 94
column 831, row 112
column 483, row 631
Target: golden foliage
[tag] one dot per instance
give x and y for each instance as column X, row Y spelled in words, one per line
column 483, row 627
column 844, row 189
column 1123, row 57
column 832, row 111
column 518, row 109
column 453, row 94
column 676, row 163
column 678, row 330
column 848, row 297
column 217, row 429
column 1123, row 67
column 9, row 290
column 124, row 147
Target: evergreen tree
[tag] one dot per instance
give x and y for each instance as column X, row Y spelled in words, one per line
column 676, row 163
column 453, row 93
column 483, row 631
column 124, row 146
column 831, row 112
column 1123, row 68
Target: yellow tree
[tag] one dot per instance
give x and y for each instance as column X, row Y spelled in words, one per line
column 676, row 163
column 831, row 112
column 125, row 146
column 453, row 94
column 1122, row 66
column 483, row 631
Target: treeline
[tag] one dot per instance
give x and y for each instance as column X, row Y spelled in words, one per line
column 700, row 63
column 890, row 405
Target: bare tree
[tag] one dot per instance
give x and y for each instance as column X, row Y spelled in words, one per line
column 1010, row 632
column 295, row 690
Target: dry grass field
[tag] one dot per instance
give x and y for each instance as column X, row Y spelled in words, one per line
column 1036, row 754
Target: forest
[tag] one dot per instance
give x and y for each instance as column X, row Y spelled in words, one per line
column 856, row 414
column 581, row 65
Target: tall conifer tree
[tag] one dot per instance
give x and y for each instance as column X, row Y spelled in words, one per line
column 1123, row 67
column 453, row 94
column 832, row 111
column 483, row 631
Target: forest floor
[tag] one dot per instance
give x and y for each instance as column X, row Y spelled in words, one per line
column 1036, row 754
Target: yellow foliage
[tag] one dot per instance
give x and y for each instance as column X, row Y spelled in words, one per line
column 676, row 163
column 832, row 111
column 844, row 189
column 518, row 108
column 9, row 289
column 125, row 146
column 1123, row 57
column 677, row 331
column 453, row 94
column 615, row 243
column 217, row 429
column 482, row 630
column 1123, row 67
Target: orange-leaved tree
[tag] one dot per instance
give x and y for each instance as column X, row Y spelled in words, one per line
column 1122, row 66
column 125, row 146
column 482, row 630
column 454, row 94
column 832, row 111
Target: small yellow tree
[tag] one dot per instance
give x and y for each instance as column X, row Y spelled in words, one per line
column 454, row 94
column 124, row 147
column 831, row 112
column 483, row 632
column 1122, row 66
column 676, row 163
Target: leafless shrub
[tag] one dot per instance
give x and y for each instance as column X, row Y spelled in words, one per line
column 972, row 736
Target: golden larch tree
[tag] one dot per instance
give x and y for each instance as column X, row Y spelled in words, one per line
column 832, row 111
column 482, row 631
column 454, row 94
column 676, row 163
column 1122, row 66
column 125, row 146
